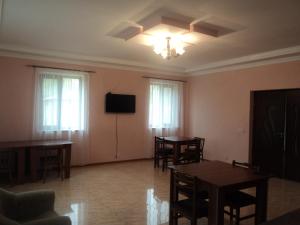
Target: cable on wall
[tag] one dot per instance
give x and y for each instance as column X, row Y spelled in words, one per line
column 117, row 138
column 1, row 11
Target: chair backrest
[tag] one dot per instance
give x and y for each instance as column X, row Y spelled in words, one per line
column 246, row 165
column 197, row 144
column 159, row 143
column 201, row 140
column 183, row 183
column 192, row 206
column 5, row 160
column 49, row 152
column 193, row 153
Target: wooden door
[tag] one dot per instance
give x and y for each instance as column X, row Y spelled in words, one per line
column 292, row 154
column 268, row 131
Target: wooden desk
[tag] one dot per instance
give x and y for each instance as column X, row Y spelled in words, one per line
column 177, row 142
column 32, row 146
column 218, row 178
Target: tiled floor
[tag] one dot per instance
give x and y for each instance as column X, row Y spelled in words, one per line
column 134, row 193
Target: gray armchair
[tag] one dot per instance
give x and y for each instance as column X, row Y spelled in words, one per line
column 290, row 218
column 29, row 208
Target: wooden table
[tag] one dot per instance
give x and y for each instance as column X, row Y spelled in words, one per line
column 33, row 146
column 177, row 142
column 218, row 178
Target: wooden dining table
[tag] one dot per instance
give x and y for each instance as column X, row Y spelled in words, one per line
column 218, row 178
column 21, row 147
column 177, row 142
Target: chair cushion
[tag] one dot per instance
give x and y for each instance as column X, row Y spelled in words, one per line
column 238, row 199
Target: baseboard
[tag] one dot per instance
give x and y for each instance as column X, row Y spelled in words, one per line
column 111, row 162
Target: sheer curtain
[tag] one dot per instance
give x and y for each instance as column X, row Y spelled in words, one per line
column 61, row 110
column 165, row 112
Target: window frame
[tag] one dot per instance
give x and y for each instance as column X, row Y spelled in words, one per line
column 59, row 75
column 173, row 87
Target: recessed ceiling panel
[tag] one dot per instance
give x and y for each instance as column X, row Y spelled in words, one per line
column 84, row 28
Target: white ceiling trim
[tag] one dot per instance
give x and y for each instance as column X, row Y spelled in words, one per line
column 246, row 65
column 265, row 58
column 60, row 57
column 271, row 57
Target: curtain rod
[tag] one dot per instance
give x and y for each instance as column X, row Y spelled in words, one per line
column 164, row 79
column 60, row 68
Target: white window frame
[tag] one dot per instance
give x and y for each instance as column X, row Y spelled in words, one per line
column 169, row 117
column 59, row 75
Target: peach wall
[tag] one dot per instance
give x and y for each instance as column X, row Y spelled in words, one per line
column 219, row 107
column 16, row 97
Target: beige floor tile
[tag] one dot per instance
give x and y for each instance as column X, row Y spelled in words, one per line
column 134, row 193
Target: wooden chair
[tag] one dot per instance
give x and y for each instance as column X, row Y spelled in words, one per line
column 238, row 199
column 193, row 205
column 7, row 164
column 51, row 159
column 202, row 141
column 193, row 153
column 162, row 153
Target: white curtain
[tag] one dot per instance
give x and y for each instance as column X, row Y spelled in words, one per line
column 61, row 110
column 165, row 110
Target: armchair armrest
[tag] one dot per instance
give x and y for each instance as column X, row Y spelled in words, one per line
column 7, row 204
column 60, row 220
column 290, row 218
column 34, row 203
column 6, row 221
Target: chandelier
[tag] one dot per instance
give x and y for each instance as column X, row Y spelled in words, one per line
column 168, row 47
column 168, row 33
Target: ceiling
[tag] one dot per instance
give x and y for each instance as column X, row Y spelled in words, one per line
column 80, row 30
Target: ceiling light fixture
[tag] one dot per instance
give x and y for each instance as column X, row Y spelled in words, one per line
column 168, row 47
column 168, row 33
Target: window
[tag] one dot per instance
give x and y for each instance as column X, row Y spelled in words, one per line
column 165, row 104
column 61, row 99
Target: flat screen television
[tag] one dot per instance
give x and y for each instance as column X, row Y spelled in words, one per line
column 119, row 103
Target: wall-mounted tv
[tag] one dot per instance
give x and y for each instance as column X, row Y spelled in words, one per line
column 119, row 103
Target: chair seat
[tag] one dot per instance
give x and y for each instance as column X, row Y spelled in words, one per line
column 238, row 199
column 45, row 215
column 185, row 207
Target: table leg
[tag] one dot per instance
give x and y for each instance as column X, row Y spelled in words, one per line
column 21, row 166
column 176, row 148
column 216, row 206
column 261, row 204
column 67, row 161
column 33, row 163
column 171, row 220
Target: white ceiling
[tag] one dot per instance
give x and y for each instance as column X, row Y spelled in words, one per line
column 79, row 29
